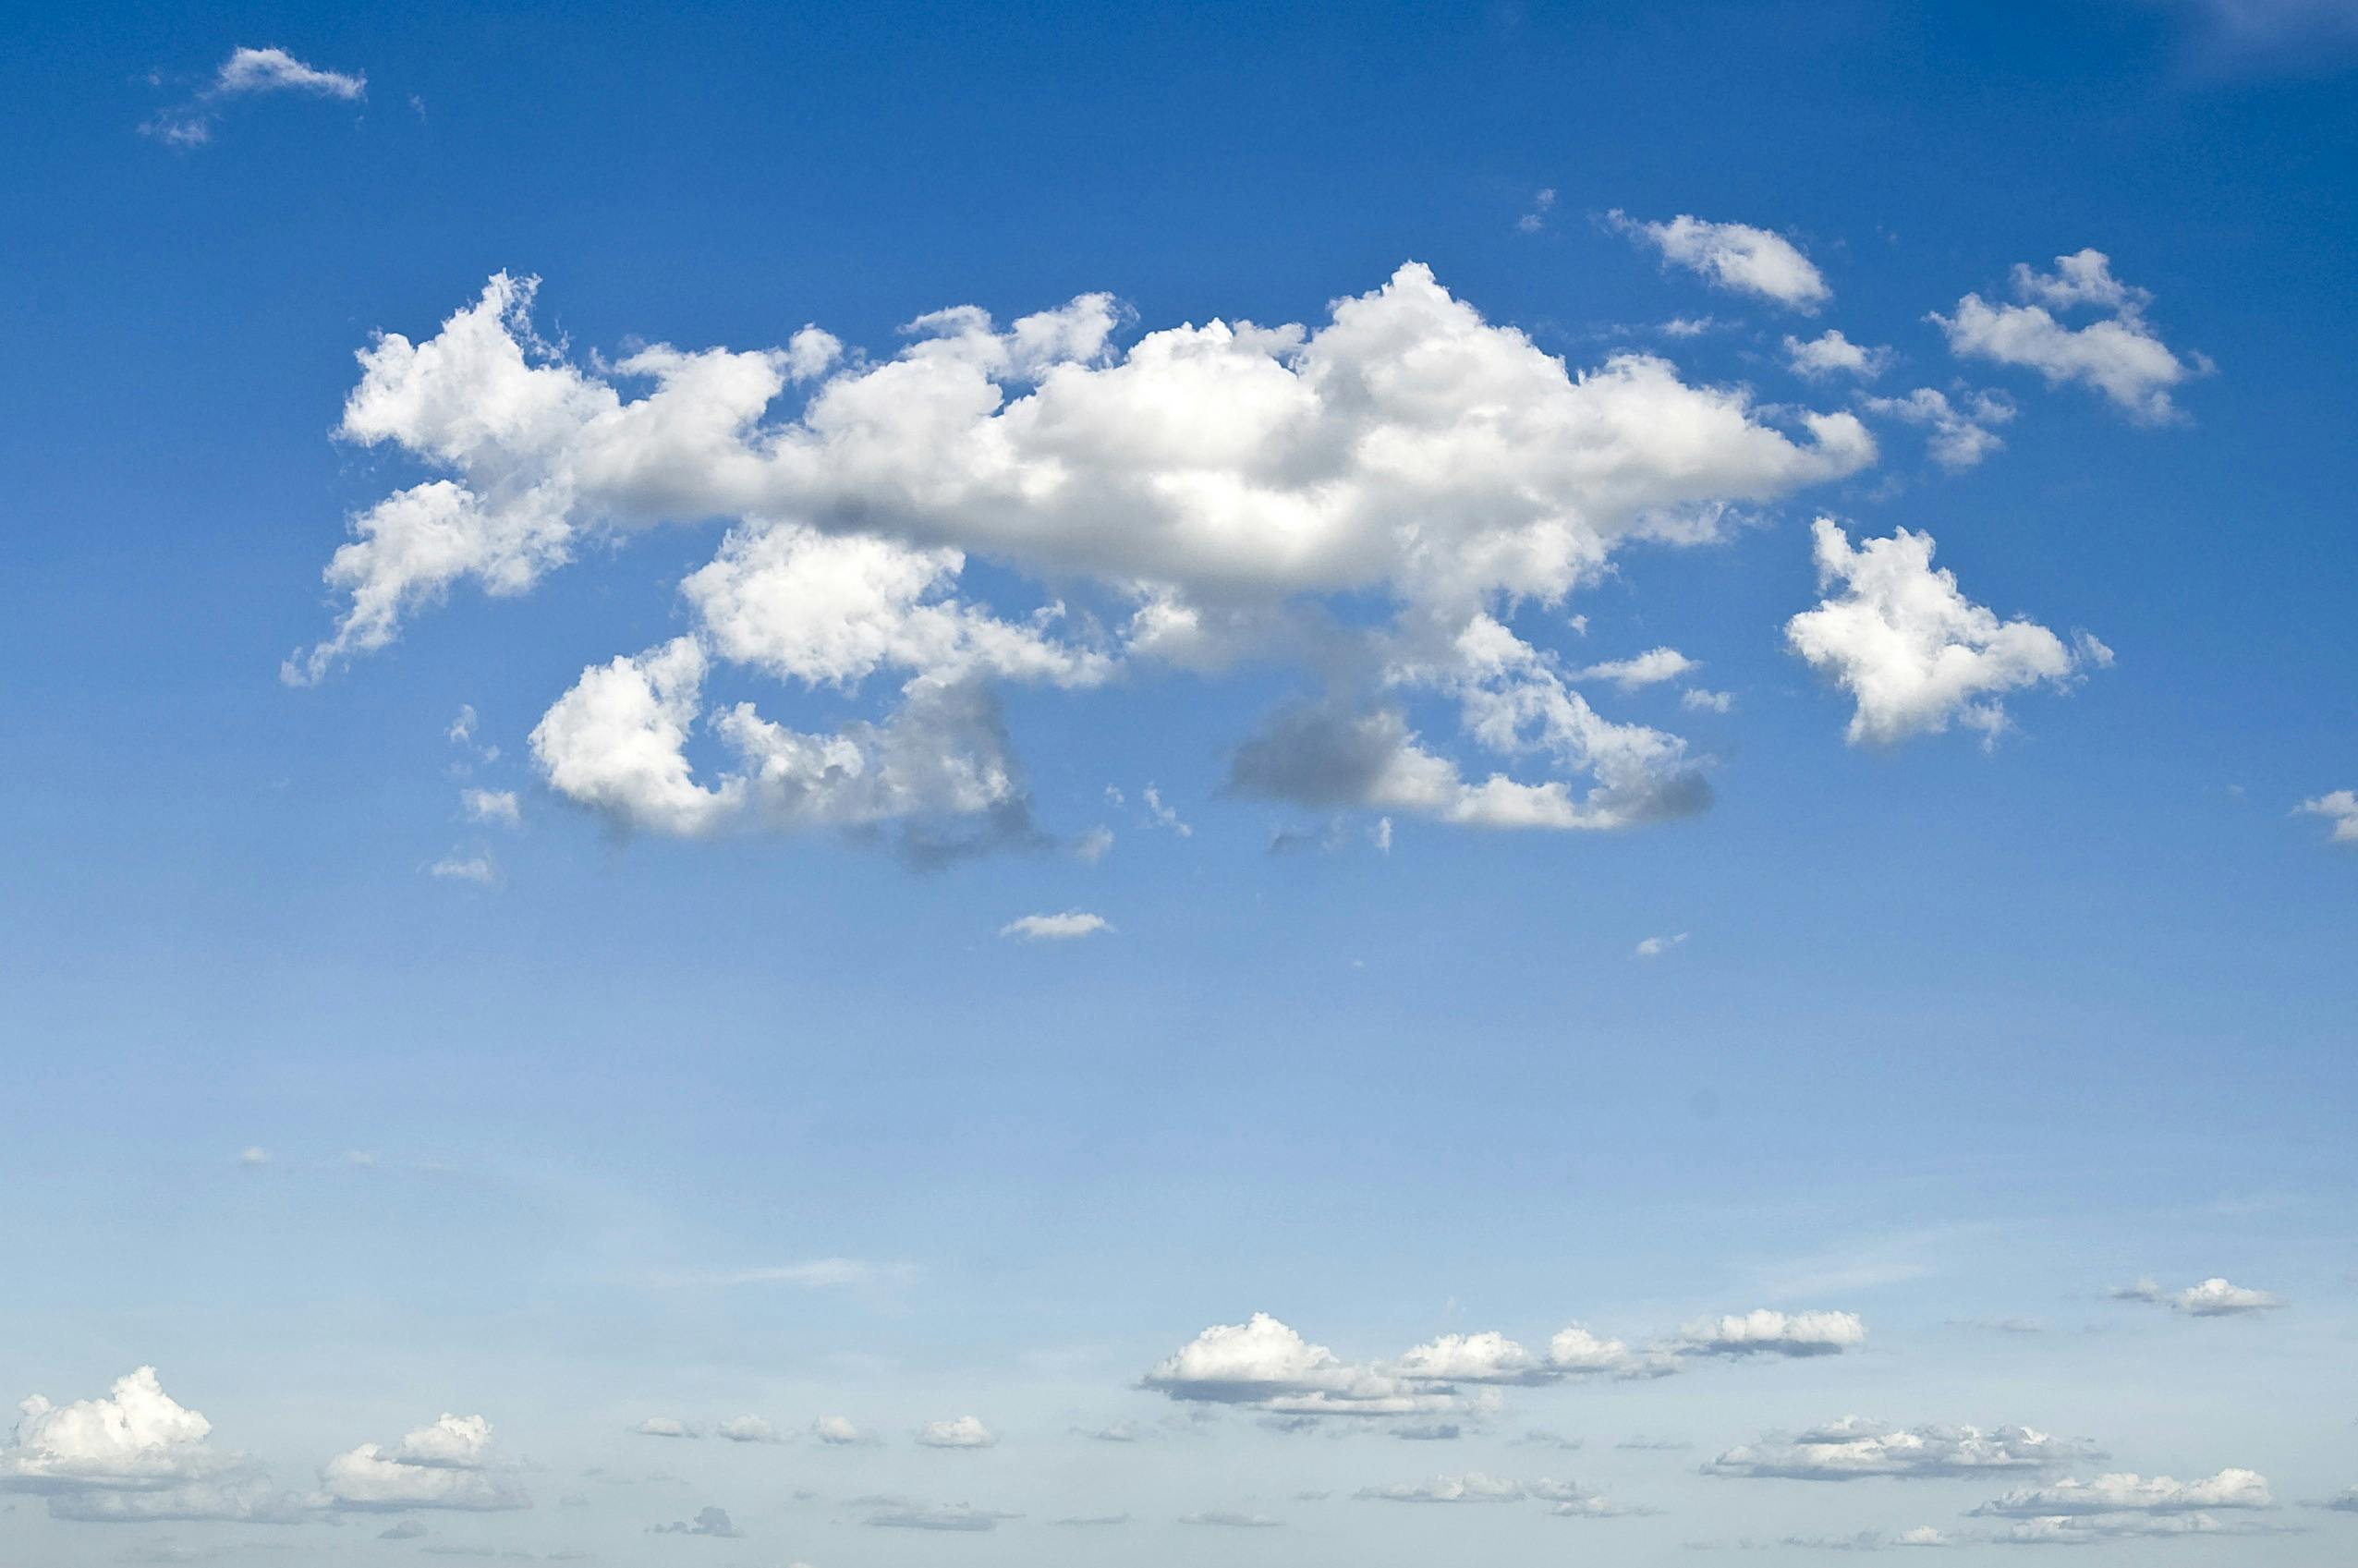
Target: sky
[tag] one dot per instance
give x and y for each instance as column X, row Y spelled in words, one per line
column 1359, row 786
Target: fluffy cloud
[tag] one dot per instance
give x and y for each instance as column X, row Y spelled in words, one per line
column 1655, row 946
column 449, row 1464
column 2216, row 1298
column 2120, row 356
column 2133, row 1494
column 2340, row 808
column 1650, row 668
column 1913, row 652
column 489, row 806
column 963, row 1431
column 1764, row 1332
column 136, row 1455
column 1207, row 496
column 1854, row 1448
column 1071, row 924
column 275, row 71
column 1736, row 256
column 747, row 1428
column 1958, row 437
column 836, row 1431
column 664, row 1427
column 1829, row 353
column 1266, row 1364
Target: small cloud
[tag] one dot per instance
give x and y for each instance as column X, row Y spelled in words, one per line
column 1067, row 926
column 1829, row 353
column 1650, row 668
column 457, row 866
column 253, row 1155
column 1532, row 222
column 1230, row 1519
column 489, row 806
column 713, row 1522
column 1734, row 256
column 1095, row 844
column 1699, row 700
column 746, row 1429
column 664, row 1427
column 964, row 1431
column 1655, row 946
column 2216, row 1298
column 838, row 1431
column 248, row 71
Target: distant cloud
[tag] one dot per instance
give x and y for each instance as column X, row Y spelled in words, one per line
column 1472, row 1486
column 1913, row 652
column 713, row 1522
column 1231, row 1519
column 963, row 1431
column 1766, row 1333
column 1542, row 202
column 1655, row 946
column 919, row 1516
column 837, row 1431
column 2216, row 1298
column 1854, row 1448
column 491, row 806
column 1071, row 924
column 2120, row 356
column 460, row 866
column 746, row 1429
column 664, row 1427
column 1734, row 256
column 2126, row 1493
column 449, row 1464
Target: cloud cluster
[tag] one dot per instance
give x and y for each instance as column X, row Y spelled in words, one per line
column 1854, row 1448
column 1958, row 434
column 450, row 1464
column 2120, row 356
column 136, row 1455
column 1267, row 1364
column 1913, row 652
column 2338, row 806
column 1736, row 256
column 1206, row 497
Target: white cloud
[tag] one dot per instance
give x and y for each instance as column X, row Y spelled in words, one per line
column 1472, row 1486
column 2339, row 808
column 1655, row 946
column 1066, row 927
column 900, row 1515
column 1542, row 201
column 837, row 1431
column 1231, row 1519
column 2066, row 1529
column 449, row 1464
column 1766, row 1332
column 1265, row 1363
column 746, row 1429
column 2125, row 1493
column 1650, row 668
column 1829, row 353
column 963, row 1431
column 1912, row 650
column 2144, row 1290
column 1203, row 495
column 275, row 71
column 2120, row 356
column 1699, row 700
column 135, row 1438
column 1568, row 1500
column 1736, row 256
column 664, row 1427
column 2216, row 1298
column 1960, row 437
column 489, row 806
column 1853, row 1447
column 253, row 1155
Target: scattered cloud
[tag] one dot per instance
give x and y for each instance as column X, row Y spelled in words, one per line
column 1700, row 699
column 1829, row 353
column 899, row 1515
column 1736, row 256
column 1542, row 202
column 1471, row 1487
column 664, row 1427
column 746, row 1429
column 1231, row 1519
column 1071, row 924
column 2120, row 356
column 2216, row 1298
column 2126, row 1493
column 1854, row 1448
column 1960, row 436
column 1766, row 1333
column 1650, row 668
column 250, row 73
column 489, row 806
column 460, row 865
column 1655, row 946
column 1913, row 652
column 450, row 1464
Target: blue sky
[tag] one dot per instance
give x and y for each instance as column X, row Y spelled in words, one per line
column 1428, row 938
